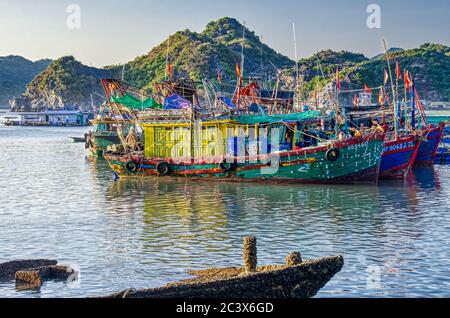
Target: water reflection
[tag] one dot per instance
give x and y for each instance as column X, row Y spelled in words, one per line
column 144, row 233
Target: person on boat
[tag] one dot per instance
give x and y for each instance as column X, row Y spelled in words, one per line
column 376, row 127
column 355, row 133
column 341, row 136
column 309, row 138
column 289, row 138
column 131, row 138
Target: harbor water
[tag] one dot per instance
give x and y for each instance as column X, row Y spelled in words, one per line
column 57, row 204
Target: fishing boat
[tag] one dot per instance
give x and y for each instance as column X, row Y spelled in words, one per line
column 78, row 139
column 429, row 147
column 443, row 153
column 245, row 149
column 432, row 134
column 103, row 135
column 400, row 149
column 399, row 156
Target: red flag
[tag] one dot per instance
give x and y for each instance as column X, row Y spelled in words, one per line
column 338, row 80
column 386, row 76
column 219, row 76
column 367, row 89
column 355, row 101
column 398, row 72
column 169, row 70
column 407, row 81
column 238, row 71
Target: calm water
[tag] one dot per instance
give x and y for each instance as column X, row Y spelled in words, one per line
column 54, row 203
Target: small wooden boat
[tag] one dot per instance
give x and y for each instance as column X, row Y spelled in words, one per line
column 78, row 139
column 296, row 279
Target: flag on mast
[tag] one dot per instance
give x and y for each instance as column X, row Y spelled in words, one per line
column 367, row 89
column 169, row 70
column 398, row 72
column 407, row 81
column 386, row 76
column 238, row 71
column 355, row 101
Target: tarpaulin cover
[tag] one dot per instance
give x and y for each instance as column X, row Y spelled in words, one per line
column 176, row 102
column 228, row 102
column 132, row 102
column 253, row 120
column 279, row 95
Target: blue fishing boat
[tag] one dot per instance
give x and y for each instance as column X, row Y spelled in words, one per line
column 429, row 148
column 399, row 157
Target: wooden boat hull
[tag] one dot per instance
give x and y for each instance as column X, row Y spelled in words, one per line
column 399, row 157
column 78, row 139
column 359, row 162
column 428, row 149
column 100, row 143
column 300, row 281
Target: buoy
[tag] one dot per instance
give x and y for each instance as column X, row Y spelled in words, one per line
column 333, row 155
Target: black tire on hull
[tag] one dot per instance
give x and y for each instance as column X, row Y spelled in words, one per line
column 163, row 168
column 131, row 167
column 228, row 167
column 333, row 155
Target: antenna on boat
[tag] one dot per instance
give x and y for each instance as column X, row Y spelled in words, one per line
column 296, row 66
column 242, row 51
column 393, row 88
column 123, row 72
column 262, row 54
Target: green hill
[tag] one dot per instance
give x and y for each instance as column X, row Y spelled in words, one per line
column 15, row 73
column 65, row 82
column 200, row 55
column 429, row 64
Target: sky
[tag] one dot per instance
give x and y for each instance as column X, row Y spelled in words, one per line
column 115, row 32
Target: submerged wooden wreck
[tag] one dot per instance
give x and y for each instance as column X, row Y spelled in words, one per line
column 295, row 279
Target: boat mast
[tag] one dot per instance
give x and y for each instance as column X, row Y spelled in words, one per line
column 393, row 89
column 242, row 52
column 167, row 59
column 296, row 104
column 241, row 71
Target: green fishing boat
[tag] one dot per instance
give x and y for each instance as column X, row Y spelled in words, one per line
column 249, row 148
column 104, row 134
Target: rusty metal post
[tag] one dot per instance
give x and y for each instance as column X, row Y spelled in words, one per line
column 250, row 254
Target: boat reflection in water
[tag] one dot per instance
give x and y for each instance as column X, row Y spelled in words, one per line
column 178, row 225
